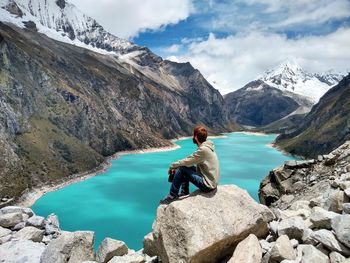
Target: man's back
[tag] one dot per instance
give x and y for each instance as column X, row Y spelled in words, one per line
column 209, row 167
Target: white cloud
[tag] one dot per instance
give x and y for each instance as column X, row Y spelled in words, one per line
column 127, row 18
column 247, row 15
column 230, row 63
column 172, row 49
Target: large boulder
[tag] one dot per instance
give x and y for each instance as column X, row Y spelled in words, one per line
column 247, row 251
column 110, row 248
column 282, row 250
column 206, row 227
column 327, row 239
column 293, row 227
column 310, row 254
column 322, row 218
column 30, row 233
column 341, row 227
column 16, row 251
column 10, row 219
column 72, row 247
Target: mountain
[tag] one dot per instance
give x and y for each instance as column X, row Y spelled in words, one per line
column 289, row 76
column 64, row 107
column 279, row 94
column 258, row 104
column 326, row 126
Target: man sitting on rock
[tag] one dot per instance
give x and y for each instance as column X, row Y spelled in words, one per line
column 205, row 175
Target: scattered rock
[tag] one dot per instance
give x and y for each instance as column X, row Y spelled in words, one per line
column 190, row 231
column 71, row 247
column 308, row 237
column 36, row 221
column 282, row 250
column 265, row 246
column 347, row 192
column 335, row 257
column 310, row 254
column 334, row 202
column 30, row 233
column 16, row 251
column 4, row 231
column 293, row 227
column 341, row 227
column 322, row 218
column 19, row 226
column 128, row 258
column 346, row 208
column 326, row 238
column 10, row 219
column 247, row 251
column 16, row 209
column 110, row 248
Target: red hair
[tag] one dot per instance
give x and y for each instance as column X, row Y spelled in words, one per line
column 201, row 132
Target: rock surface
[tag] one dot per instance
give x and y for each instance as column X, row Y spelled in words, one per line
column 16, row 251
column 282, row 250
column 205, row 227
column 247, row 251
column 110, row 248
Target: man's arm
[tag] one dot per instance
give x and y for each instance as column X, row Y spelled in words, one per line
column 193, row 159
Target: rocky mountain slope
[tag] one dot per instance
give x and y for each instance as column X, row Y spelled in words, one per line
column 279, row 94
column 311, row 201
column 65, row 108
column 326, row 127
column 258, row 104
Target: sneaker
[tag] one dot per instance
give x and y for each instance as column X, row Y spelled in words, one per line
column 168, row 199
column 184, row 194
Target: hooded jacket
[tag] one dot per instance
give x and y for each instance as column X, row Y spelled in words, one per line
column 207, row 163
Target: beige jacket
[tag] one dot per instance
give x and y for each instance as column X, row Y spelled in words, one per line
column 207, row 163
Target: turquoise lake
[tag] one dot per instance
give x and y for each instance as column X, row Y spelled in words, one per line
column 121, row 203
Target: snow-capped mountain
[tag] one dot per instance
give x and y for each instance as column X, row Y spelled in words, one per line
column 62, row 21
column 289, row 76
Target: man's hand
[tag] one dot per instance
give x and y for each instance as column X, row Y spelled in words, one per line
column 171, row 171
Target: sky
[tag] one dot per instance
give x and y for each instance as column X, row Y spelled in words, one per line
column 233, row 42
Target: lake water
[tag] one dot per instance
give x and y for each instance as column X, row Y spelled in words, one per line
column 121, row 203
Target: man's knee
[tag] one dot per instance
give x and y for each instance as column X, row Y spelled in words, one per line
column 181, row 170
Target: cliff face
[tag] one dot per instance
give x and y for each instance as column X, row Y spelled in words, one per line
column 64, row 108
column 326, row 127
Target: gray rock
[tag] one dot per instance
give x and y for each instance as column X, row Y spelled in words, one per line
column 10, row 219
column 341, row 227
column 346, row 208
column 52, row 225
column 265, row 246
column 148, row 244
column 308, row 237
column 110, row 248
column 294, row 242
column 282, row 250
column 19, row 226
column 310, row 254
column 16, row 209
column 129, row 258
column 334, row 201
column 293, row 227
column 300, row 204
column 345, row 177
column 73, row 247
column 326, row 238
column 335, row 257
column 30, row 233
column 36, row 221
column 347, row 192
column 5, row 239
column 273, row 225
column 322, row 218
column 17, row 251
column 4, row 231
column 53, row 220
column 193, row 232
column 247, row 251
column 344, row 185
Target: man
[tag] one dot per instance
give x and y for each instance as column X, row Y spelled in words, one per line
column 205, row 175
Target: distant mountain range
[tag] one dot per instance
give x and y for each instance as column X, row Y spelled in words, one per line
column 278, row 94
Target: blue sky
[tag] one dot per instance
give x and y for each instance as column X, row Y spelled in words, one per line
column 232, row 42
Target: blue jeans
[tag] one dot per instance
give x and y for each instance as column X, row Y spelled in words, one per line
column 182, row 178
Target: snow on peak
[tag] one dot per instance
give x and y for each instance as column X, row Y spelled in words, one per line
column 63, row 21
column 289, row 76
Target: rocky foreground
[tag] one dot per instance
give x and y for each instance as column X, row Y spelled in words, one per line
column 308, row 222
